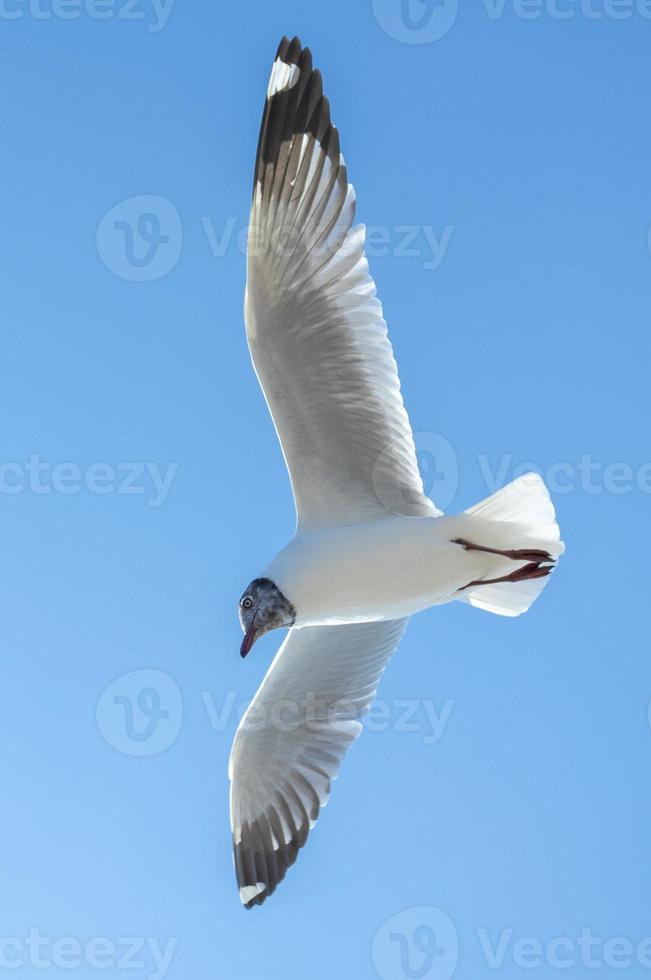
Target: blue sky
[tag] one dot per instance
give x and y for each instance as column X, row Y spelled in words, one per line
column 501, row 154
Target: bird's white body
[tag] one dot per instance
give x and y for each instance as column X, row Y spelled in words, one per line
column 380, row 570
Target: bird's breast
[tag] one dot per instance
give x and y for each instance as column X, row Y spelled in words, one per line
column 376, row 571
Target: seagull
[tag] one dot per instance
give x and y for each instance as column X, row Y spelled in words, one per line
column 370, row 548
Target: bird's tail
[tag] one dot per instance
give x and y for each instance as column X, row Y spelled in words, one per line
column 519, row 524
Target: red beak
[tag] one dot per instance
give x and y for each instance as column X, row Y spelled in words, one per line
column 248, row 641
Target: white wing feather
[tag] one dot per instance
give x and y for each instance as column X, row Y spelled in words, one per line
column 318, row 340
column 290, row 744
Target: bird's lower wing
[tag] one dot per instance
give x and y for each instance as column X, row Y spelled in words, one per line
column 290, row 744
column 314, row 323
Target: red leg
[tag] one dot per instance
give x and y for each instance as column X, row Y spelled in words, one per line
column 532, row 570
column 516, row 554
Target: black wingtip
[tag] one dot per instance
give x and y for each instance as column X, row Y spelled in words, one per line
column 282, row 47
column 298, row 108
column 289, row 51
column 293, row 51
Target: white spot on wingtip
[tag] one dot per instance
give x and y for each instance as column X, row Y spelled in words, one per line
column 283, row 76
column 249, row 892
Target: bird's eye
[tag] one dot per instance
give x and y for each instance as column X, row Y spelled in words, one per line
column 247, row 602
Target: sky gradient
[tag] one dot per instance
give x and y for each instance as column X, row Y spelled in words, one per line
column 499, row 803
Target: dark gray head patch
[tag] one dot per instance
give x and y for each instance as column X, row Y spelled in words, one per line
column 264, row 605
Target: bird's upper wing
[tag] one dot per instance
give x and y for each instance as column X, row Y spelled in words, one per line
column 315, row 328
column 291, row 742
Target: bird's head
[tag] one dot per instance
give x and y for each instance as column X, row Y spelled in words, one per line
column 262, row 608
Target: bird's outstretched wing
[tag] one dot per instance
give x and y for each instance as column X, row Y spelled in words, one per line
column 291, row 742
column 314, row 323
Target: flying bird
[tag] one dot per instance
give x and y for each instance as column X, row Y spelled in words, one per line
column 370, row 548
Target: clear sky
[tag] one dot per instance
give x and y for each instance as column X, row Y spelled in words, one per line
column 501, row 154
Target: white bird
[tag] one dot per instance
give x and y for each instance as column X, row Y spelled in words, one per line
column 370, row 549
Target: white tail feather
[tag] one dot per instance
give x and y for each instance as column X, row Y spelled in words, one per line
column 521, row 515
